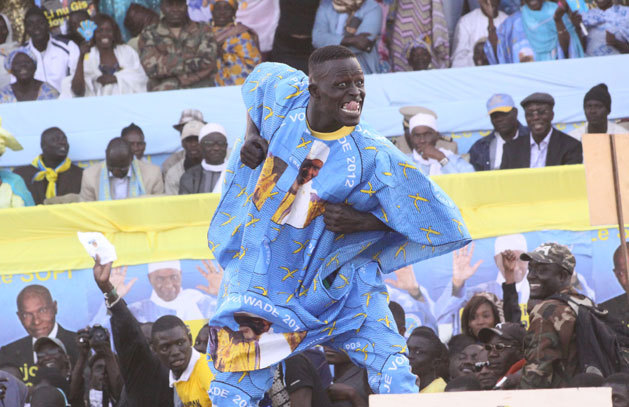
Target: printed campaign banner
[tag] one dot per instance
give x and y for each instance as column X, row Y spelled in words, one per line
column 58, row 11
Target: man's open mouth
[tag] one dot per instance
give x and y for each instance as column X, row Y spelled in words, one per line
column 352, row 107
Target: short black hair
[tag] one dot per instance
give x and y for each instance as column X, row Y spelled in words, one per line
column 586, row 380
column 464, row 383
column 118, row 143
column 328, row 53
column 50, row 130
column 459, row 342
column 165, row 323
column 441, row 352
column 621, row 378
column 398, row 315
column 130, row 128
column 34, row 11
column 33, row 290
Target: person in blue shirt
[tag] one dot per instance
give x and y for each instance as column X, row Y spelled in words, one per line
column 314, row 210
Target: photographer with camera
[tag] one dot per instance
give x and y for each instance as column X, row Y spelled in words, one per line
column 105, row 382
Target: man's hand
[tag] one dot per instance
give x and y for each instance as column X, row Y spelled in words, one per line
column 462, row 268
column 102, row 274
column 107, row 79
column 433, row 152
column 213, row 275
column 341, row 218
column 253, row 151
column 405, row 281
column 509, row 260
column 117, row 279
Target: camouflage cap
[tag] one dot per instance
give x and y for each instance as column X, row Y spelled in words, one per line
column 552, row 253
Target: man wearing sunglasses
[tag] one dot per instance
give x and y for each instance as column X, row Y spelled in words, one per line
column 503, row 345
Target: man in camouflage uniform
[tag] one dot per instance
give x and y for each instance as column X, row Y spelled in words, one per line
column 177, row 53
column 550, row 345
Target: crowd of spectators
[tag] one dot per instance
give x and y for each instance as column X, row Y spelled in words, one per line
column 131, row 47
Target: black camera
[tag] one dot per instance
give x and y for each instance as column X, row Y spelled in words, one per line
column 96, row 333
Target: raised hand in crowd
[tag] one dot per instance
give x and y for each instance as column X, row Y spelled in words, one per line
column 612, row 41
column 213, row 275
column 462, row 268
column 406, row 281
column 509, row 260
column 117, row 279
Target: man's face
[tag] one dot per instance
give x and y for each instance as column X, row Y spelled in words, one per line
column 419, row 59
column 308, row 170
column 620, row 271
column 50, row 355
column 546, row 279
column 37, row 315
column 166, row 283
column 462, row 364
column 620, row 395
column 339, row 90
column 36, row 26
column 137, row 143
column 118, row 163
column 421, row 354
column 214, row 145
column 97, row 374
column 502, row 354
column 23, row 67
column 173, row 347
column 595, row 112
column 175, row 12
column 483, row 372
column 191, row 146
column 539, row 117
column 200, row 343
column 335, row 357
column 505, row 122
column 54, row 145
column 75, row 20
column 423, row 136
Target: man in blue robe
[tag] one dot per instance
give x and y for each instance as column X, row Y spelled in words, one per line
column 314, row 210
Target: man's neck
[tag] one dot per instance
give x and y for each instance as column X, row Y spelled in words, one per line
column 597, row 127
column 318, row 122
column 425, row 380
column 41, row 45
column 510, row 135
column 540, row 137
column 52, row 162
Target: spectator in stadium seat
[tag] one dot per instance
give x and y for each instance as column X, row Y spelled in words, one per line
column 120, row 176
column 546, row 146
column 6, row 46
column 112, row 68
column 238, row 44
column 617, row 306
column 207, row 176
column 486, row 153
column 349, row 387
column 200, row 342
column 463, row 353
column 178, row 53
column 173, row 362
column 137, row 19
column 619, row 382
column 13, row 190
column 414, row 22
column 51, row 173
column 608, row 32
column 186, row 116
column 293, row 38
column 504, row 345
column 481, row 311
column 463, row 383
column 22, row 64
column 297, row 383
column 75, row 18
column 471, row 28
column 429, row 359
column 118, row 10
column 430, row 159
column 359, row 33
column 597, row 104
column 193, row 156
column 419, row 54
column 135, row 137
column 55, row 57
column 262, row 16
column 540, row 31
column 37, row 312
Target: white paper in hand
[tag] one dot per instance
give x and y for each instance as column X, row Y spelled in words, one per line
column 95, row 243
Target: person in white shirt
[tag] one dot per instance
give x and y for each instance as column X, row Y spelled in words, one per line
column 597, row 104
column 471, row 28
column 56, row 57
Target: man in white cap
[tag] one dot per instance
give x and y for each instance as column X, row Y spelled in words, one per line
column 430, row 159
column 301, row 203
column 207, row 176
column 187, row 115
column 192, row 156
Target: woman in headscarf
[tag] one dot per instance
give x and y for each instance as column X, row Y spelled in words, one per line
column 355, row 24
column 419, row 54
column 110, row 67
column 13, row 191
column 540, row 31
column 22, row 64
column 415, row 19
column 608, row 27
column 237, row 44
column 6, row 46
